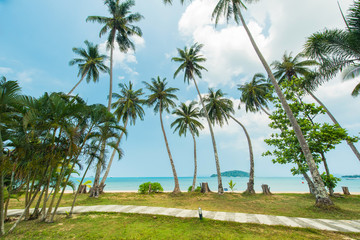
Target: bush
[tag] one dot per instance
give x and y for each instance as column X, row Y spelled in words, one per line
column 330, row 181
column 155, row 187
column 197, row 189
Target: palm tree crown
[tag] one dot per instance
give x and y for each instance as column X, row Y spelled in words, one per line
column 188, row 116
column 90, row 62
column 254, row 94
column 190, row 59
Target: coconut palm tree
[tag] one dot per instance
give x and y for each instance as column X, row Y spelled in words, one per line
column 233, row 8
column 254, row 94
column 89, row 63
column 337, row 50
column 161, row 97
column 190, row 60
column 220, row 110
column 188, row 119
column 9, row 96
column 121, row 28
column 128, row 107
column 293, row 67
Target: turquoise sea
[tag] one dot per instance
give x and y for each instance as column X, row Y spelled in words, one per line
column 276, row 184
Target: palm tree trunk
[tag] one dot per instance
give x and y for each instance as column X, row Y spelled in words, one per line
column 351, row 145
column 195, row 161
column 82, row 78
column 220, row 185
column 322, row 198
column 331, row 190
column 102, row 183
column 266, row 112
column 177, row 187
column 95, row 189
column 2, row 220
column 250, row 185
column 111, row 69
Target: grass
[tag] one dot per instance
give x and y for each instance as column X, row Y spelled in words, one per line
column 135, row 226
column 291, row 205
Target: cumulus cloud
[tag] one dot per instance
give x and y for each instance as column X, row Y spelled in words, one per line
column 5, row 70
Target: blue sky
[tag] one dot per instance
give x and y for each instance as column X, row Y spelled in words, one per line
column 36, row 38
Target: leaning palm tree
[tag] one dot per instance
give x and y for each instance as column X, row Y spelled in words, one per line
column 229, row 8
column 128, row 107
column 296, row 68
column 190, row 60
column 120, row 25
column 220, row 110
column 161, row 97
column 89, row 63
column 188, row 119
column 254, row 94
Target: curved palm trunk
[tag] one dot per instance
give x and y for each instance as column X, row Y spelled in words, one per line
column 250, row 185
column 322, row 198
column 220, row 185
column 95, row 191
column 351, row 145
column 266, row 112
column 82, row 78
column 177, row 187
column 195, row 161
column 102, row 183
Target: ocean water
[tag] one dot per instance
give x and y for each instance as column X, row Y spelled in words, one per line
column 276, row 184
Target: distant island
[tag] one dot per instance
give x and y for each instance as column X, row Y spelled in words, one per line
column 234, row 173
column 348, row 176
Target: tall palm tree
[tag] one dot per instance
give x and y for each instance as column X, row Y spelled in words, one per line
column 337, row 49
column 128, row 107
column 220, row 109
column 229, row 8
column 254, row 94
column 89, row 63
column 296, row 68
column 121, row 28
column 190, row 60
column 9, row 96
column 188, row 116
column 161, row 97
column 292, row 66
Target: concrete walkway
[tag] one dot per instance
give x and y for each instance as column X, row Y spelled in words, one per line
column 321, row 224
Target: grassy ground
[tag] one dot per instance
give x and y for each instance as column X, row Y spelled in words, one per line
column 292, row 205
column 135, row 226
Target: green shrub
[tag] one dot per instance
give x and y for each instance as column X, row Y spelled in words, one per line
column 155, row 187
column 330, row 181
column 197, row 189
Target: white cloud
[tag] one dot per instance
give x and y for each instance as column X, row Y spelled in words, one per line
column 5, row 70
column 26, row 76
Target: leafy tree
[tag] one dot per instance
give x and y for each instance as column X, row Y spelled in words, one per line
column 254, row 94
column 190, row 59
column 188, row 120
column 161, row 97
column 89, row 64
column 121, row 28
column 220, row 109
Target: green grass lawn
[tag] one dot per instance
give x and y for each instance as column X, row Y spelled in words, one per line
column 136, row 226
column 292, row 205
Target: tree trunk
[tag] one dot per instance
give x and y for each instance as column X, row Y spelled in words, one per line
column 331, row 190
column 177, row 187
column 351, row 145
column 310, row 183
column 217, row 163
column 111, row 70
column 266, row 189
column 2, row 220
column 250, row 186
column 82, row 78
column 195, row 161
column 322, row 198
column 95, row 190
column 261, row 107
column 205, row 187
column 346, row 190
column 43, row 211
column 102, row 183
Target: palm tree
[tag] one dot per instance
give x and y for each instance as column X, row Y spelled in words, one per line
column 89, row 64
column 189, row 60
column 161, row 97
column 296, row 68
column 220, row 110
column 188, row 116
column 127, row 108
column 292, row 67
column 234, row 8
column 9, row 96
column 120, row 25
column 254, row 94
column 338, row 50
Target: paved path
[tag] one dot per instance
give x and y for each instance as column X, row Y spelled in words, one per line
column 322, row 224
